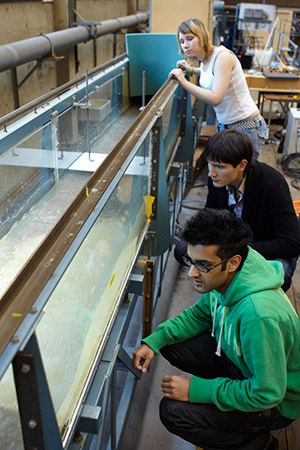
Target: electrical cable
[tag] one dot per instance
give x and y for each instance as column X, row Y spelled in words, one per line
column 296, row 183
column 291, row 167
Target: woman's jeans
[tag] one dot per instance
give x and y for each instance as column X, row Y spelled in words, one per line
column 257, row 135
column 204, row 424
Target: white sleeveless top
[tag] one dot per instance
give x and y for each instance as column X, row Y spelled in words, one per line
column 237, row 103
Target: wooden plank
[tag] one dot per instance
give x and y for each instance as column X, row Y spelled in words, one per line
column 262, row 83
column 197, row 154
column 281, row 97
column 208, row 130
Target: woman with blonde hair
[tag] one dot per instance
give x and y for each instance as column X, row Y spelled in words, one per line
column 222, row 83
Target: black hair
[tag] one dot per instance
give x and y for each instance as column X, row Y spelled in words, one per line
column 230, row 147
column 219, row 227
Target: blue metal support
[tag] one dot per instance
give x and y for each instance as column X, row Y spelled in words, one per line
column 113, row 409
column 91, row 418
column 38, row 420
column 237, row 12
column 186, row 149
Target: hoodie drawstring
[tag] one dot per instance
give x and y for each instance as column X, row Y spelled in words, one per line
column 218, row 352
column 214, row 321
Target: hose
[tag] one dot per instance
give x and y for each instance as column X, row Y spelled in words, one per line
column 291, row 167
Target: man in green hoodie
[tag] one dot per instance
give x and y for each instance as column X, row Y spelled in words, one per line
column 240, row 342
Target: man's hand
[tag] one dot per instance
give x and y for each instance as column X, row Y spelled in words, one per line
column 142, row 358
column 176, row 387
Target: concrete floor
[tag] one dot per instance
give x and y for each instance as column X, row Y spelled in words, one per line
column 178, row 292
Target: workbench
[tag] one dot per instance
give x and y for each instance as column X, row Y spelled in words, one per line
column 261, row 83
column 287, row 101
column 274, row 89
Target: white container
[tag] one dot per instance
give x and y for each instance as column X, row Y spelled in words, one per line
column 292, row 138
column 262, row 57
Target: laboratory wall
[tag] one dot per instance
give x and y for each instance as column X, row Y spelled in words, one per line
column 24, row 20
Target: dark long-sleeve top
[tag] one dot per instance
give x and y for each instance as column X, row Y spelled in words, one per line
column 268, row 210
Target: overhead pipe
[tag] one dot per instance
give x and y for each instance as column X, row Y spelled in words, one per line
column 21, row 52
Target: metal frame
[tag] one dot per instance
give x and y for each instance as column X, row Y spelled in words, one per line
column 282, row 37
column 38, row 112
column 239, row 33
column 37, row 414
column 73, row 22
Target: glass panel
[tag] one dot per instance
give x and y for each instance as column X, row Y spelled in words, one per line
column 27, row 173
column 78, row 312
column 10, row 426
column 33, row 198
column 106, row 107
column 79, row 309
column 43, row 174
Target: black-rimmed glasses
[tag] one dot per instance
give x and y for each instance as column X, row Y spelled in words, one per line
column 201, row 267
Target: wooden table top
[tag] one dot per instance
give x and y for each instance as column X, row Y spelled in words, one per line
column 280, row 97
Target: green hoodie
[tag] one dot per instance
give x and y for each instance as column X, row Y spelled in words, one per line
column 261, row 336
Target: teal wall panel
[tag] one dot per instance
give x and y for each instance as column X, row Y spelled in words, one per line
column 155, row 53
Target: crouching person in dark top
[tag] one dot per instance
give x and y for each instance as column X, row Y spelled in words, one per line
column 240, row 342
column 255, row 192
